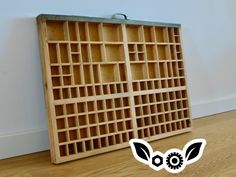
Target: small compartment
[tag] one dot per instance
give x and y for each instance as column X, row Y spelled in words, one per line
column 73, row 135
column 132, row 56
column 127, row 113
column 163, row 52
column 81, row 107
column 111, row 140
column 61, row 124
column 65, row 70
column 72, row 31
column 65, row 93
column 62, row 150
column 182, row 82
column 110, row 116
column 82, row 91
column 75, row 58
column 151, row 53
column 87, row 74
column 172, row 52
column 120, row 126
column 73, row 92
column 103, row 142
column 143, row 86
column 93, row 131
column 74, row 48
column 102, row 129
column 160, row 34
column 96, row 74
column 98, row 89
column 100, row 105
column 169, row 69
column 52, row 50
column 56, row 94
column 119, row 114
column 71, row 121
column 92, row 118
column 114, row 52
column 70, row 109
column 150, row 85
column 96, row 144
column 111, row 128
column 91, row 106
column 62, row 137
column 152, row 70
column 162, row 69
column 83, row 133
column 125, row 87
column 176, row 31
column 94, row 31
column 117, row 138
column 138, row 71
column 122, row 71
column 96, row 52
column 148, row 34
column 82, row 31
column 128, row 125
column 59, row 110
column 71, row 149
column 109, row 73
column 64, row 53
column 137, row 100
column 133, row 33
column 124, row 137
column 90, row 91
column 106, row 89
column 140, row 48
column 112, row 32
column 88, row 145
column 55, row 30
column 171, row 35
column 117, row 102
column 113, row 88
column 67, row 80
column 101, row 117
column 82, row 120
column 84, row 52
column 131, row 48
column 119, row 88
column 55, row 70
column 136, row 86
column 125, row 101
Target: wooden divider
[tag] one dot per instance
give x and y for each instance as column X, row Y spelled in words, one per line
column 108, row 81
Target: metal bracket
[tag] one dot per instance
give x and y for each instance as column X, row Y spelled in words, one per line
column 114, row 16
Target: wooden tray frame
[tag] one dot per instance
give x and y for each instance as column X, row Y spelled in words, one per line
column 110, row 80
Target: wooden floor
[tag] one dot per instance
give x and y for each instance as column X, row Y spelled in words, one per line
column 219, row 158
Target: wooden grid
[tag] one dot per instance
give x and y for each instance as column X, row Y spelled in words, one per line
column 108, row 81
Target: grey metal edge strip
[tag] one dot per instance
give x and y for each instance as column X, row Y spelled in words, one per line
column 104, row 20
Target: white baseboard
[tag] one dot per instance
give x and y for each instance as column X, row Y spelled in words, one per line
column 213, row 106
column 37, row 140
column 23, row 143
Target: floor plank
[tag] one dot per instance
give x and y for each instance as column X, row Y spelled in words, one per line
column 219, row 158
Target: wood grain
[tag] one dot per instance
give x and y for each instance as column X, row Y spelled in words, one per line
column 218, row 160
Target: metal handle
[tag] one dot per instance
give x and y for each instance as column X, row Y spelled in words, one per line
column 119, row 14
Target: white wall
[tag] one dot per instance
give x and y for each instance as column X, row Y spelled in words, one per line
column 209, row 38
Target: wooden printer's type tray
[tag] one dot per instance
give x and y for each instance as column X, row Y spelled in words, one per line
column 107, row 81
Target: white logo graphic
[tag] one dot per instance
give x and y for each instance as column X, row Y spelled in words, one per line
column 174, row 160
